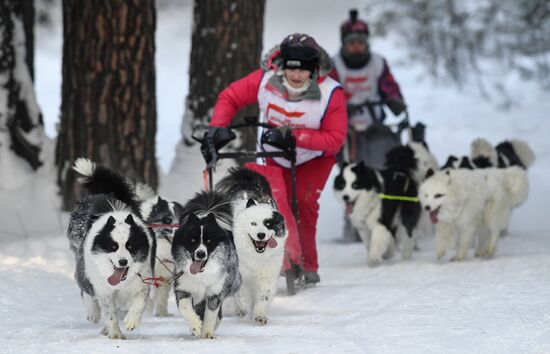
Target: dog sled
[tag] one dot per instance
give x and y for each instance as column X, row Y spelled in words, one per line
column 214, row 139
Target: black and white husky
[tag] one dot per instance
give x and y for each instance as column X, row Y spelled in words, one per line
column 162, row 217
column 205, row 256
column 157, row 213
column 259, row 232
column 366, row 195
column 113, row 249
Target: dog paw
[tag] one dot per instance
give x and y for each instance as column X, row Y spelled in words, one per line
column 261, row 320
column 207, row 333
column 371, row 262
column 440, row 255
column 115, row 334
column 131, row 321
column 94, row 317
column 196, row 328
column 241, row 313
column 457, row 259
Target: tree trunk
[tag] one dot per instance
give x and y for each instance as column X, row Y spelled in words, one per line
column 226, row 45
column 21, row 126
column 108, row 106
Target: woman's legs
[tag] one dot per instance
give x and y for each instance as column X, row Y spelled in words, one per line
column 311, row 178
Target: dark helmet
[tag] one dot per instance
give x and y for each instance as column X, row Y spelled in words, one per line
column 300, row 51
column 354, row 28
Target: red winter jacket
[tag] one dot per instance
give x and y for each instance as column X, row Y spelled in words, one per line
column 329, row 138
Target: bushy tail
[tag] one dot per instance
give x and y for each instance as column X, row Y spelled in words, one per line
column 518, row 185
column 144, row 191
column 101, row 180
column 524, row 152
column 483, row 154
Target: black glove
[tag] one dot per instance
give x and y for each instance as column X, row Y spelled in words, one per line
column 354, row 109
column 213, row 140
column 396, row 105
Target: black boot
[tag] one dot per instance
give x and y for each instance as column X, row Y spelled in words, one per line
column 311, row 278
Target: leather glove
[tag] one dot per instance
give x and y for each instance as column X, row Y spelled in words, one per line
column 396, row 105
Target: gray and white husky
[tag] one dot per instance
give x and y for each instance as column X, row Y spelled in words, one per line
column 113, row 248
column 260, row 233
column 162, row 217
column 206, row 262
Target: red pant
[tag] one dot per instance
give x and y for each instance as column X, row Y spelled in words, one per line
column 311, row 178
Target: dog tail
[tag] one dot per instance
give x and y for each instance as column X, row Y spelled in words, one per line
column 483, row 154
column 144, row 191
column 101, row 180
column 524, row 152
column 518, row 184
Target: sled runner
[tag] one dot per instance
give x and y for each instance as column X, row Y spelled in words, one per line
column 214, row 139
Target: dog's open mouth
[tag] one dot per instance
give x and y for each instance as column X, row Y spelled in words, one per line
column 197, row 266
column 119, row 274
column 349, row 207
column 433, row 215
column 260, row 246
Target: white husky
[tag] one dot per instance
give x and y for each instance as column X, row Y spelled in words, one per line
column 460, row 201
column 259, row 232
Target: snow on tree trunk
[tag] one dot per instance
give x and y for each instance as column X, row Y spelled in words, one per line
column 226, row 45
column 21, row 128
column 108, row 108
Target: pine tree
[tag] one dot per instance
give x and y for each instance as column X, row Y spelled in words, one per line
column 226, row 45
column 108, row 108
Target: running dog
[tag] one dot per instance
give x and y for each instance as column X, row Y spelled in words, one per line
column 461, row 200
column 206, row 261
column 368, row 197
column 259, row 231
column 113, row 250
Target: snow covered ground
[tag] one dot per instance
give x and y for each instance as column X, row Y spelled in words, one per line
column 420, row 306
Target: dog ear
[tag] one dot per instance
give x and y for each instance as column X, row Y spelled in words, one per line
column 178, row 210
column 193, row 219
column 211, row 218
column 129, row 219
column 111, row 220
column 429, row 173
column 250, row 203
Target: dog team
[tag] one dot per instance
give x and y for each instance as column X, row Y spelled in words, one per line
column 469, row 198
column 228, row 242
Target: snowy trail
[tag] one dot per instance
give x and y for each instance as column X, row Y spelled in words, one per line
column 477, row 306
column 486, row 306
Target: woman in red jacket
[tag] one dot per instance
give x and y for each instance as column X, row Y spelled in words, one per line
column 292, row 89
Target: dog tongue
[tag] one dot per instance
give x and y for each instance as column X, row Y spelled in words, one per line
column 433, row 216
column 117, row 276
column 195, row 267
column 349, row 208
column 272, row 243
